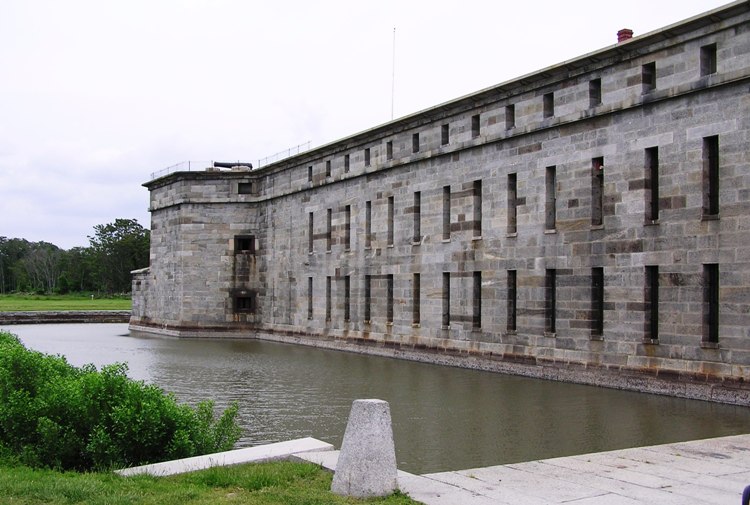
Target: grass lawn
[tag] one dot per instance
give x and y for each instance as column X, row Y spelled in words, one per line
column 280, row 483
column 35, row 303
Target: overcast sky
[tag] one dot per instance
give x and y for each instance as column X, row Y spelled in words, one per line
column 97, row 95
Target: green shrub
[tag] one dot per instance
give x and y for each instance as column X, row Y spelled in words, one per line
column 55, row 415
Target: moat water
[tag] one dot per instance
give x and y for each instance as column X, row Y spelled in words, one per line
column 443, row 418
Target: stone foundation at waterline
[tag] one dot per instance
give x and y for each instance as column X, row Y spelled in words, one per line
column 587, row 222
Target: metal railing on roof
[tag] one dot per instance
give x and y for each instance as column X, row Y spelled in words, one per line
column 192, row 165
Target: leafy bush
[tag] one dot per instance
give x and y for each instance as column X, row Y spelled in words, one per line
column 55, row 415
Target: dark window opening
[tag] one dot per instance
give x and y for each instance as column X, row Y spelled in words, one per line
column 329, row 229
column 347, row 297
column 309, row 173
column 368, row 298
column 550, row 300
column 708, row 59
column 389, row 299
column 597, row 191
column 549, row 104
column 652, row 184
column 597, row 301
column 651, row 299
column 367, row 157
column 417, row 236
column 309, row 298
column 446, row 212
column 415, row 143
column 648, row 77
column 477, row 208
column 512, row 203
column 595, row 92
column 346, row 163
column 550, row 203
column 244, row 244
column 477, row 301
column 512, row 286
column 348, row 227
column 711, row 176
column 245, row 188
column 328, row 168
column 475, row 126
column 446, row 298
column 415, row 299
column 368, row 224
column 310, row 231
column 711, row 303
column 245, row 303
column 444, row 135
column 328, row 298
column 389, row 150
column 390, row 220
column 510, row 116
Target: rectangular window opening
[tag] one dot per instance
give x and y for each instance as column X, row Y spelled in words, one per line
column 328, row 168
column 512, row 203
column 389, row 150
column 651, row 301
column 390, row 220
column 367, row 156
column 550, row 204
column 550, row 300
column 648, row 77
column 444, row 135
column 446, row 212
column 597, row 301
column 368, row 298
column 244, row 244
column 510, row 116
column 711, row 176
column 475, row 126
column 477, row 301
column 346, row 163
column 309, row 298
column 328, row 298
column 708, row 59
column 511, row 307
column 711, row 303
column 310, row 231
column 477, row 208
column 348, row 227
column 368, row 224
column 415, row 298
column 347, row 297
column 415, row 143
column 597, row 191
column 245, row 188
column 549, row 104
column 417, row 236
column 309, row 173
column 389, row 299
column 329, row 229
column 245, row 303
column 446, row 297
column 652, row 184
column 595, row 92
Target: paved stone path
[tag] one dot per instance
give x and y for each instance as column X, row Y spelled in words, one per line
column 712, row 471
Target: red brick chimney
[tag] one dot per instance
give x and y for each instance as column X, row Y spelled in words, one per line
column 624, row 34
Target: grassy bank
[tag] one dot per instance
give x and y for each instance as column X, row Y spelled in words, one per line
column 261, row 484
column 36, row 303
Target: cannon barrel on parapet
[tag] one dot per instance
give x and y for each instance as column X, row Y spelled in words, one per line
column 232, row 164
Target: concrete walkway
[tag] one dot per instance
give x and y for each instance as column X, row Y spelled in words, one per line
column 699, row 472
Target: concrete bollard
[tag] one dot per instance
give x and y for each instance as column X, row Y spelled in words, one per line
column 367, row 462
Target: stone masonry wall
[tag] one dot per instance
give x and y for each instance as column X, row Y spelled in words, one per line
column 410, row 234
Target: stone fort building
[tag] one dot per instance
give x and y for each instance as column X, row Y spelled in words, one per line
column 587, row 222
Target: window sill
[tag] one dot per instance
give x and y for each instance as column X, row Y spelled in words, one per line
column 511, row 332
column 389, row 324
column 597, row 226
column 416, row 243
column 446, row 240
column 511, row 235
column 416, row 325
column 597, row 338
column 550, row 334
column 709, row 345
column 479, row 237
column 445, row 327
column 652, row 222
column 650, row 341
column 550, row 231
column 710, row 217
column 390, row 246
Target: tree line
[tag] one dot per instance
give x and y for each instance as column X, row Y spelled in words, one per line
column 104, row 266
